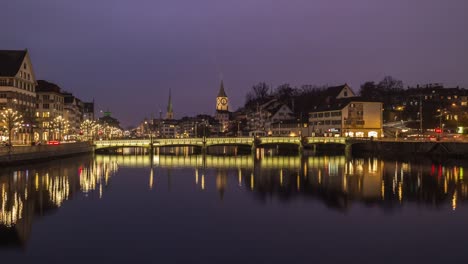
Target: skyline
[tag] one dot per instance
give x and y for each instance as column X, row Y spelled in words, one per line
column 186, row 47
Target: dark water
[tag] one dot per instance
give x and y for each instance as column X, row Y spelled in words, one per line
column 175, row 209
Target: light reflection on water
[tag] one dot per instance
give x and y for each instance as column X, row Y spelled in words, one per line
column 28, row 193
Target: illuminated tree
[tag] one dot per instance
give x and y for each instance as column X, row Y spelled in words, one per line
column 11, row 120
column 61, row 126
column 88, row 127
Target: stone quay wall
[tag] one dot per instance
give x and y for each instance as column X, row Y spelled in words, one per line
column 25, row 154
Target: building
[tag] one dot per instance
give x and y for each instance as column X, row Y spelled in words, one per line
column 17, row 90
column 73, row 112
column 222, row 114
column 88, row 110
column 267, row 115
column 50, row 106
column 350, row 117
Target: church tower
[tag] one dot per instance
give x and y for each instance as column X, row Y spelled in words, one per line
column 222, row 109
column 222, row 99
column 169, row 113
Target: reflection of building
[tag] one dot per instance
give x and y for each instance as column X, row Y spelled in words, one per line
column 221, row 182
column 35, row 191
column 17, row 89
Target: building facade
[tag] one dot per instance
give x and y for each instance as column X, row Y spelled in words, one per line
column 17, row 91
column 50, row 108
column 348, row 118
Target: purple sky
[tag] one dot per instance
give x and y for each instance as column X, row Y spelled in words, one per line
column 127, row 54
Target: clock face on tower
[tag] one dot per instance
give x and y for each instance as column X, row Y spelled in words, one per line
column 223, row 101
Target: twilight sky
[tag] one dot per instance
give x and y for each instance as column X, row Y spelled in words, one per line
column 127, row 54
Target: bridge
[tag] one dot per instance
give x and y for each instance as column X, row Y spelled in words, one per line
column 220, row 141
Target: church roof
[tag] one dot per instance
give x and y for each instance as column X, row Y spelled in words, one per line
column 222, row 93
column 169, row 105
column 10, row 61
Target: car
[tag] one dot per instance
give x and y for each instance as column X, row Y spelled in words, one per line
column 53, row 142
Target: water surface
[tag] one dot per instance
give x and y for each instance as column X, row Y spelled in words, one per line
column 234, row 209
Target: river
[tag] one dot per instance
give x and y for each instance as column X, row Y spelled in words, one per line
column 234, row 209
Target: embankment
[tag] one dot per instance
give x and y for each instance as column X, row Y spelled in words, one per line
column 449, row 149
column 25, row 154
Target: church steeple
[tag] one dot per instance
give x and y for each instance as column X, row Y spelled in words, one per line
column 169, row 113
column 222, row 93
column 222, row 99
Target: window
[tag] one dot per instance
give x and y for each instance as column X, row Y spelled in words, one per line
column 24, row 65
column 45, row 106
column 346, row 93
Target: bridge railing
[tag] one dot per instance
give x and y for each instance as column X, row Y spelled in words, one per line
column 274, row 140
column 178, row 141
column 122, row 142
column 322, row 140
column 229, row 140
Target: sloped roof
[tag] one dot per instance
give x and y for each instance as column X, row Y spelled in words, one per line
column 334, row 91
column 340, row 104
column 10, row 62
column 222, row 93
column 45, row 86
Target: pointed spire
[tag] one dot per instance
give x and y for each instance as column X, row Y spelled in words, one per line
column 169, row 113
column 222, row 93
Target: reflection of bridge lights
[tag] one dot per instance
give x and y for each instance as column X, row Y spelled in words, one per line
column 196, row 176
column 203, row 181
column 252, row 181
column 400, row 192
column 281, row 177
column 383, row 189
column 240, row 177
column 454, row 201
column 151, row 179
column 298, row 182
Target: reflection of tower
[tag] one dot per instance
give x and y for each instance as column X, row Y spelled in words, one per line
column 169, row 113
column 221, row 182
column 222, row 109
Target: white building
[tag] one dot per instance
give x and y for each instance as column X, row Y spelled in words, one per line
column 17, row 90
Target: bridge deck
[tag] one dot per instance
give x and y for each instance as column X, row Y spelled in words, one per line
column 206, row 142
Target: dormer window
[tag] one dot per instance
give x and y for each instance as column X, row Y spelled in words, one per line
column 24, row 66
column 345, row 93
